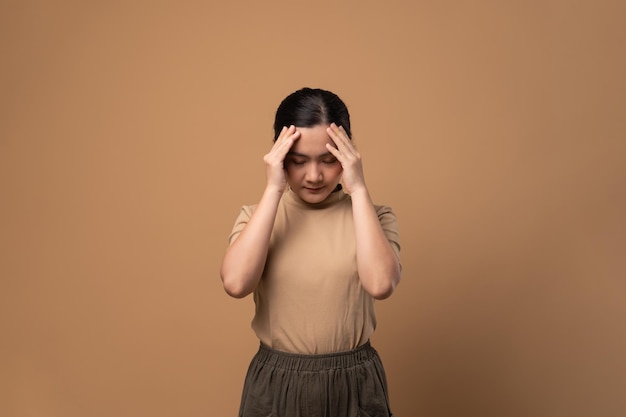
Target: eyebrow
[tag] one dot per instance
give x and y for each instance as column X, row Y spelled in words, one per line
column 301, row 155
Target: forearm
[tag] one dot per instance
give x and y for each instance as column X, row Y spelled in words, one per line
column 377, row 263
column 244, row 260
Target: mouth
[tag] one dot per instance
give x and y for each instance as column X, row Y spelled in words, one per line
column 314, row 189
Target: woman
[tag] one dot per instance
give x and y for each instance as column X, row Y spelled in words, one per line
column 315, row 255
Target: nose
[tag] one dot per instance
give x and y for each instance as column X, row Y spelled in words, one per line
column 314, row 172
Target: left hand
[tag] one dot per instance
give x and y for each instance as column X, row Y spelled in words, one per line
column 348, row 156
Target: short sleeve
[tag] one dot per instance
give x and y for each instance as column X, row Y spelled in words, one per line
column 389, row 223
column 242, row 220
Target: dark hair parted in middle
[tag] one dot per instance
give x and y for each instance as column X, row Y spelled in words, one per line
column 310, row 107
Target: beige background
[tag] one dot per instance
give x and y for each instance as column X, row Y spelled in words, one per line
column 132, row 131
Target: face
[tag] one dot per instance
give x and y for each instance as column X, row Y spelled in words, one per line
column 311, row 170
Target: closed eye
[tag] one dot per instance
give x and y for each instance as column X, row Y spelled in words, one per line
column 297, row 161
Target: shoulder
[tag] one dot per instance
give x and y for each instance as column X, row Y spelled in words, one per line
column 384, row 211
column 245, row 213
column 248, row 209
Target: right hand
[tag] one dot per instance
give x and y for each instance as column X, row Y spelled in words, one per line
column 275, row 158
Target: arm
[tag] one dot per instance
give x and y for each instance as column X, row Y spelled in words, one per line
column 377, row 264
column 245, row 258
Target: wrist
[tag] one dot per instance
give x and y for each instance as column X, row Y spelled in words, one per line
column 274, row 190
column 360, row 193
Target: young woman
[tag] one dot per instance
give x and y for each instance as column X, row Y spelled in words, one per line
column 315, row 254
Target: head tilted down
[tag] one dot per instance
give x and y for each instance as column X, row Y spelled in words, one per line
column 311, row 171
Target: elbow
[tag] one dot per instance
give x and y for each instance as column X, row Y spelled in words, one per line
column 234, row 287
column 235, row 292
column 384, row 287
column 382, row 295
column 382, row 292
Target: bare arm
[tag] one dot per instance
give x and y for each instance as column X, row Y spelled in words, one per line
column 245, row 258
column 377, row 264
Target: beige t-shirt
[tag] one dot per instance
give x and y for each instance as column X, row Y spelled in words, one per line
column 309, row 299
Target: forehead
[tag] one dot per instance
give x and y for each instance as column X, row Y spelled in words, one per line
column 312, row 140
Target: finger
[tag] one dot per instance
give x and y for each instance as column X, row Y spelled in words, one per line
column 284, row 132
column 335, row 152
column 338, row 132
column 339, row 129
column 285, row 142
column 339, row 136
column 345, row 135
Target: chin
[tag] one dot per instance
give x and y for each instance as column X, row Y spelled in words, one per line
column 313, row 198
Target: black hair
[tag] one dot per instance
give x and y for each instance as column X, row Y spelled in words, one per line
column 310, row 107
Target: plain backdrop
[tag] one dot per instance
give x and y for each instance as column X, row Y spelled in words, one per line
column 131, row 132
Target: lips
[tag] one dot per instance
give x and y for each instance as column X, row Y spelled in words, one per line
column 314, row 189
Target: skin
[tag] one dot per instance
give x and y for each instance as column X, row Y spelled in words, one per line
column 311, row 170
column 312, row 161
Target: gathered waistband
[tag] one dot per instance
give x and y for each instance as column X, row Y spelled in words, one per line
column 319, row 362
